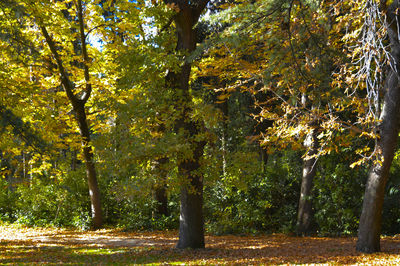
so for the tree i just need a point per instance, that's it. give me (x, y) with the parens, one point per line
(78, 104)
(285, 57)
(388, 129)
(191, 227)
(62, 27)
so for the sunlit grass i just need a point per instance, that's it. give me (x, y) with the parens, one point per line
(100, 251)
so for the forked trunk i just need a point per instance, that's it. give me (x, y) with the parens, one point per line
(78, 104)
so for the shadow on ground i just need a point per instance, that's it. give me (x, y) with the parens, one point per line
(114, 247)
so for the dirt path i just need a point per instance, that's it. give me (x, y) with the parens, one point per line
(100, 238)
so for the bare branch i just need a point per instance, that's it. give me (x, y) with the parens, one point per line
(166, 25)
(94, 28)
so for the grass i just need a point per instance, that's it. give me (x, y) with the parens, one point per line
(20, 245)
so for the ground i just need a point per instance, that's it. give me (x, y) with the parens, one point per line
(20, 245)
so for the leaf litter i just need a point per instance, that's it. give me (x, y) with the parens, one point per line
(23, 245)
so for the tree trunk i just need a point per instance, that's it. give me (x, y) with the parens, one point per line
(305, 211)
(162, 201)
(191, 223)
(224, 107)
(74, 160)
(369, 229)
(94, 191)
(264, 158)
(160, 189)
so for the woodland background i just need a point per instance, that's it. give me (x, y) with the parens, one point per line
(259, 116)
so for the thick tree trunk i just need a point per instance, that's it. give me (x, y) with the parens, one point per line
(305, 211)
(191, 223)
(369, 229)
(94, 191)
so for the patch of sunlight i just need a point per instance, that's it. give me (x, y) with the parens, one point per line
(99, 251)
(205, 261)
(186, 262)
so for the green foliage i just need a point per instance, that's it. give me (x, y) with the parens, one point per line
(338, 194)
(128, 202)
(8, 201)
(262, 202)
(61, 203)
(138, 213)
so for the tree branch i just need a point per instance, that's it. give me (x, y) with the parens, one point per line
(199, 7)
(85, 56)
(94, 28)
(167, 25)
(65, 81)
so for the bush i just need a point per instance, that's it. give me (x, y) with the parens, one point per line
(136, 211)
(8, 199)
(63, 202)
(264, 202)
(338, 193)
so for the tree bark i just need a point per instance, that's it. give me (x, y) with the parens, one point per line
(94, 191)
(305, 211)
(369, 229)
(224, 107)
(191, 222)
(370, 222)
(264, 158)
(162, 200)
(160, 189)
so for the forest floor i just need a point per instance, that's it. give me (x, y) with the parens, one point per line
(20, 245)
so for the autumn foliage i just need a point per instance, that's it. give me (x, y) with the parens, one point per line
(266, 118)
